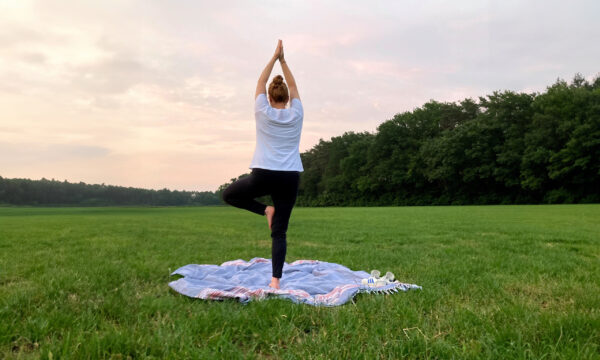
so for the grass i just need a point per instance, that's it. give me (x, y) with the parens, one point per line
(499, 282)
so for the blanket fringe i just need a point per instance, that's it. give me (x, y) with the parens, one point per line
(389, 289)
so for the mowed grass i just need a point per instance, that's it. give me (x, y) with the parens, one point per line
(498, 282)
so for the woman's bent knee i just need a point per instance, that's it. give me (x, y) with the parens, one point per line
(227, 196)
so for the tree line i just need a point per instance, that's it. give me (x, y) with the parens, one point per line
(505, 148)
(53, 192)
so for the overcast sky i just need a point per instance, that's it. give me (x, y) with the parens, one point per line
(160, 94)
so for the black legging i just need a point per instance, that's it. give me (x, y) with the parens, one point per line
(283, 188)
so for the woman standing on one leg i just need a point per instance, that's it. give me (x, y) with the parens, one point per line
(276, 164)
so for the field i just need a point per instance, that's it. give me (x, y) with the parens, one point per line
(498, 282)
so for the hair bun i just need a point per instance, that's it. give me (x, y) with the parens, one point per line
(278, 79)
(278, 90)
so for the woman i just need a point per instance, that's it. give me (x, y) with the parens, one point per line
(276, 164)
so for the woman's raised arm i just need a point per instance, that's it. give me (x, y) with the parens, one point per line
(289, 78)
(261, 86)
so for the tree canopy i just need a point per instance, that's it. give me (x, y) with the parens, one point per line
(54, 192)
(503, 148)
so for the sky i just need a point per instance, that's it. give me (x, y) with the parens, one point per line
(160, 94)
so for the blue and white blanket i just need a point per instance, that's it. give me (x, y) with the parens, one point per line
(310, 282)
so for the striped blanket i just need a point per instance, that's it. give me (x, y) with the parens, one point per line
(310, 282)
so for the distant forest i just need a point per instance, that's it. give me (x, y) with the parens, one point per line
(504, 148)
(53, 192)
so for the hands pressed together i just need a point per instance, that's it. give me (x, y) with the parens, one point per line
(279, 52)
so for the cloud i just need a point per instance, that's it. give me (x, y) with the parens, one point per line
(113, 75)
(25, 154)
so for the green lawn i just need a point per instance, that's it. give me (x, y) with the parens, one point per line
(498, 282)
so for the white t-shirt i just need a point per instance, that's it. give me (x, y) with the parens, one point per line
(277, 135)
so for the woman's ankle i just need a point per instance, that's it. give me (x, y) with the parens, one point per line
(274, 282)
(269, 213)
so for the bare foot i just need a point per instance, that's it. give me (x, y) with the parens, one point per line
(274, 283)
(269, 212)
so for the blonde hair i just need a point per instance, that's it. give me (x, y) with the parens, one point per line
(278, 90)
